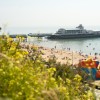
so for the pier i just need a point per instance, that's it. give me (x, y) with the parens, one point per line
(30, 34)
(39, 34)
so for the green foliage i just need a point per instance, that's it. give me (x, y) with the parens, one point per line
(25, 76)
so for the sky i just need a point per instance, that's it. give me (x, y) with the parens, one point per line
(50, 13)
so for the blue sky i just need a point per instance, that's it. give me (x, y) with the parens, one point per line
(49, 12)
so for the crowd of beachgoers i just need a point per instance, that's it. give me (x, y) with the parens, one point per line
(62, 56)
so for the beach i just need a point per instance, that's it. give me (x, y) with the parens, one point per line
(65, 56)
(62, 56)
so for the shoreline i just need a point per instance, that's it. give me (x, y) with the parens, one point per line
(62, 56)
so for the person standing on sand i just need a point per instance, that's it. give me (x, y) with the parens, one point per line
(55, 46)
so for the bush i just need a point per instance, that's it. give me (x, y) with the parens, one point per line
(25, 76)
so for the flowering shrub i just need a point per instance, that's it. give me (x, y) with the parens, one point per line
(25, 76)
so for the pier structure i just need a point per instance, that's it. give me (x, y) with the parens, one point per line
(30, 34)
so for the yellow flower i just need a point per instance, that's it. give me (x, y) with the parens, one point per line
(90, 94)
(63, 89)
(11, 82)
(68, 81)
(12, 48)
(9, 39)
(19, 55)
(78, 77)
(27, 82)
(19, 93)
(1, 70)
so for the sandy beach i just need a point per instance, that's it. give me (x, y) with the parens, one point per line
(62, 56)
(65, 56)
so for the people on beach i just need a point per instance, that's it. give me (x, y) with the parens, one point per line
(62, 56)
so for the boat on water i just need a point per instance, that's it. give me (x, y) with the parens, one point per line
(78, 32)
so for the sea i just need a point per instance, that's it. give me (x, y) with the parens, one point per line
(87, 46)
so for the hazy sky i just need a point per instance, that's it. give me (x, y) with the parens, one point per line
(49, 12)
